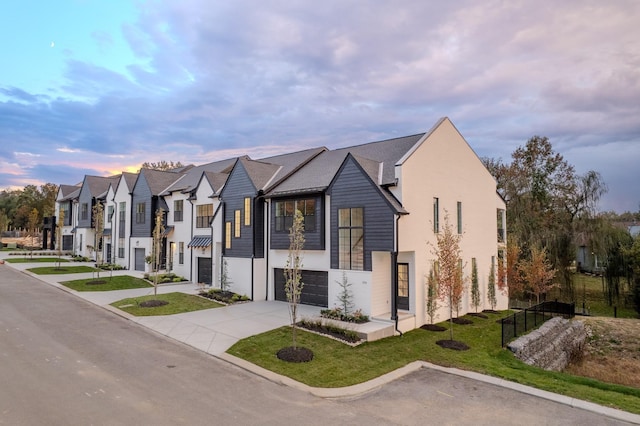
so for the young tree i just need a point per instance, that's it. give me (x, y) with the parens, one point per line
(158, 231)
(225, 281)
(98, 229)
(60, 224)
(509, 278)
(475, 289)
(292, 271)
(432, 293)
(491, 288)
(538, 273)
(32, 227)
(345, 295)
(449, 276)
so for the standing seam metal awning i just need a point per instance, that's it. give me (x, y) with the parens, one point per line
(200, 242)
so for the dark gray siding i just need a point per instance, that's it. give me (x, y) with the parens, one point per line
(141, 194)
(238, 187)
(258, 226)
(352, 188)
(312, 240)
(85, 197)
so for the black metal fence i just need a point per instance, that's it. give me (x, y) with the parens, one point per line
(519, 323)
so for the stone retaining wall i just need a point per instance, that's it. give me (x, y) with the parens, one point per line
(552, 345)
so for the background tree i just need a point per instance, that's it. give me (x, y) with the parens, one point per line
(432, 293)
(292, 271)
(4, 223)
(449, 276)
(475, 289)
(509, 277)
(547, 203)
(633, 255)
(162, 165)
(538, 273)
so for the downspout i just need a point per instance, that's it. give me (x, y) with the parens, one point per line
(267, 233)
(394, 275)
(191, 239)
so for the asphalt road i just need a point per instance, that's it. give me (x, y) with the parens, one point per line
(64, 361)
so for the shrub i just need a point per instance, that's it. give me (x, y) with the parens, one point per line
(338, 314)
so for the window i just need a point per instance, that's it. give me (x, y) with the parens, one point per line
(436, 215)
(351, 238)
(286, 209)
(204, 214)
(140, 209)
(501, 222)
(84, 211)
(236, 230)
(227, 235)
(109, 213)
(121, 225)
(177, 210)
(403, 280)
(121, 248)
(459, 217)
(122, 211)
(66, 210)
(247, 211)
(180, 253)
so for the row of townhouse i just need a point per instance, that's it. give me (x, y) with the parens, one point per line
(372, 213)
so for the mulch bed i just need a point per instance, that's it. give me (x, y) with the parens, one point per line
(297, 354)
(490, 311)
(324, 330)
(452, 344)
(433, 327)
(153, 303)
(462, 321)
(478, 315)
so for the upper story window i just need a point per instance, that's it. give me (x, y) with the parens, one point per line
(140, 212)
(84, 211)
(204, 215)
(351, 238)
(236, 228)
(65, 209)
(459, 210)
(285, 210)
(436, 215)
(177, 210)
(109, 213)
(122, 211)
(227, 235)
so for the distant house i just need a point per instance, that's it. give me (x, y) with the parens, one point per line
(372, 214)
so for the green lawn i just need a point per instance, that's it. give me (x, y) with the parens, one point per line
(336, 364)
(34, 260)
(178, 303)
(54, 270)
(590, 291)
(106, 283)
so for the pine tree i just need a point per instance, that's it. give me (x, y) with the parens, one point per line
(432, 294)
(491, 289)
(475, 290)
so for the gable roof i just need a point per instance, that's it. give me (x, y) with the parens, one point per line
(191, 175)
(99, 185)
(69, 192)
(318, 173)
(129, 180)
(158, 180)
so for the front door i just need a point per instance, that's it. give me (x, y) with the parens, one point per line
(205, 270)
(403, 286)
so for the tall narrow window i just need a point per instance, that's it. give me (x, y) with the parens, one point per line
(181, 253)
(227, 235)
(236, 230)
(351, 238)
(140, 210)
(436, 215)
(109, 213)
(178, 206)
(122, 207)
(459, 217)
(247, 211)
(84, 211)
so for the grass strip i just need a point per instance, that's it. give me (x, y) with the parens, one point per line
(54, 270)
(337, 365)
(107, 283)
(177, 303)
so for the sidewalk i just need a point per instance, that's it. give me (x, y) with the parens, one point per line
(215, 330)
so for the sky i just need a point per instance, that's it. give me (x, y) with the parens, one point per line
(100, 86)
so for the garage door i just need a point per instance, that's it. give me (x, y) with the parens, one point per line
(314, 292)
(205, 269)
(139, 259)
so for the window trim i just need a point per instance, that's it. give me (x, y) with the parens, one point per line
(355, 235)
(459, 212)
(227, 235)
(247, 211)
(141, 209)
(204, 220)
(236, 228)
(436, 215)
(307, 206)
(178, 210)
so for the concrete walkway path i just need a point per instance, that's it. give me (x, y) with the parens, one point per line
(216, 330)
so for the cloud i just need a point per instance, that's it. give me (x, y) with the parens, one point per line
(216, 79)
